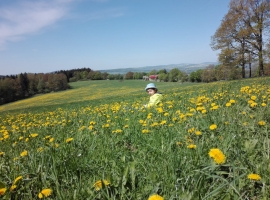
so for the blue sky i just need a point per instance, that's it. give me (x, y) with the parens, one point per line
(39, 36)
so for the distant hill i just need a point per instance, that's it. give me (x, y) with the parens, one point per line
(185, 67)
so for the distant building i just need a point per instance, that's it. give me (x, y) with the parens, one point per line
(153, 77)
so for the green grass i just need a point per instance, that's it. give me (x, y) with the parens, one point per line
(89, 92)
(139, 151)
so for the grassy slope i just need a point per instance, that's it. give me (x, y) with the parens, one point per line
(89, 92)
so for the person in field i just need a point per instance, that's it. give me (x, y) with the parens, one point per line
(155, 97)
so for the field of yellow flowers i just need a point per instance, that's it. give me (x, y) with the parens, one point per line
(205, 141)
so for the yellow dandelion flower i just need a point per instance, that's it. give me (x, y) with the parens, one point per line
(263, 104)
(191, 146)
(17, 179)
(191, 130)
(33, 135)
(2, 153)
(2, 191)
(13, 187)
(232, 101)
(98, 185)
(254, 177)
(253, 105)
(24, 153)
(106, 126)
(69, 140)
(163, 122)
(166, 114)
(253, 98)
(261, 123)
(217, 155)
(155, 197)
(145, 131)
(45, 193)
(198, 132)
(92, 123)
(51, 140)
(228, 104)
(213, 127)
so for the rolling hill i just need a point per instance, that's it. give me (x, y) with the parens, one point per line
(185, 67)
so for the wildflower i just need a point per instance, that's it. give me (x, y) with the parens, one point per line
(253, 98)
(2, 191)
(155, 197)
(192, 110)
(160, 110)
(213, 127)
(24, 153)
(45, 193)
(163, 122)
(13, 187)
(145, 131)
(217, 155)
(261, 123)
(191, 146)
(232, 101)
(191, 130)
(69, 140)
(51, 140)
(33, 135)
(263, 104)
(214, 108)
(198, 132)
(98, 185)
(92, 123)
(2, 153)
(141, 121)
(17, 179)
(228, 104)
(254, 177)
(106, 126)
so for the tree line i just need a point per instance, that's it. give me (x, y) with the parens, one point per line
(24, 85)
(243, 35)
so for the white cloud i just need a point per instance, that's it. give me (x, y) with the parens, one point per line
(27, 17)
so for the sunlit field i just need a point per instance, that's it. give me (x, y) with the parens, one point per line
(97, 141)
(87, 91)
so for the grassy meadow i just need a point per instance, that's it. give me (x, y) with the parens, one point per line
(96, 141)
